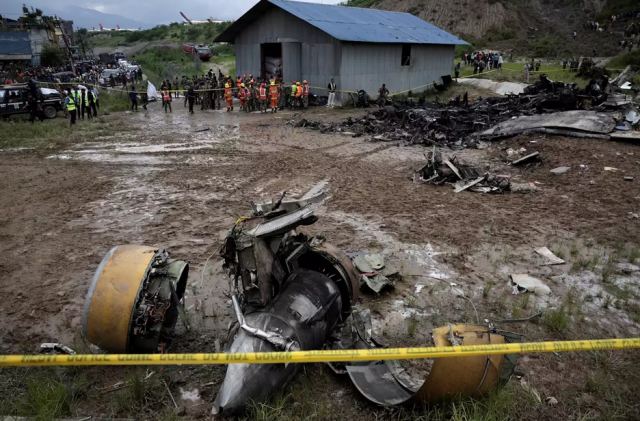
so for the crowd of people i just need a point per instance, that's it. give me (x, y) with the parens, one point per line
(483, 60)
(211, 91)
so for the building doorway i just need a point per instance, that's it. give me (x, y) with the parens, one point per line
(271, 59)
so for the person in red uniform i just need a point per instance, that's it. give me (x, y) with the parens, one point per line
(242, 96)
(262, 97)
(274, 96)
(228, 96)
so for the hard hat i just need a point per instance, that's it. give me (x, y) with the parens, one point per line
(273, 83)
(297, 83)
(242, 84)
(305, 82)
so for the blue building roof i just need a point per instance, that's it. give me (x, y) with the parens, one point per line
(15, 43)
(353, 24)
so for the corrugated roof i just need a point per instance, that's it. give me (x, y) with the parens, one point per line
(354, 24)
(15, 43)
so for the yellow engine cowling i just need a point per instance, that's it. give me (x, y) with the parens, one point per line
(132, 303)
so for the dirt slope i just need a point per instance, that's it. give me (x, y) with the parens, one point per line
(524, 26)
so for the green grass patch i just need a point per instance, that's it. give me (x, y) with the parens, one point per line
(625, 59)
(201, 33)
(514, 72)
(53, 133)
(167, 63)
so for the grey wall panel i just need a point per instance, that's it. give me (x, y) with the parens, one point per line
(368, 66)
(318, 56)
(291, 61)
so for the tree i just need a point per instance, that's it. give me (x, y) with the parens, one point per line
(51, 55)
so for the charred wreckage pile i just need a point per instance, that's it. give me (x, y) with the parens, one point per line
(460, 124)
(288, 292)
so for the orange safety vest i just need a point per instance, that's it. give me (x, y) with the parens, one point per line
(165, 96)
(242, 94)
(263, 93)
(228, 93)
(273, 91)
(299, 91)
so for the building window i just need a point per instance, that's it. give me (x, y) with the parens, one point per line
(406, 55)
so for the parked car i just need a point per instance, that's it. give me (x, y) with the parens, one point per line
(14, 100)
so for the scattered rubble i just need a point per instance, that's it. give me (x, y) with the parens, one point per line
(461, 124)
(560, 170)
(550, 258)
(440, 170)
(526, 283)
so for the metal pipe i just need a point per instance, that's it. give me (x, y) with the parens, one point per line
(273, 338)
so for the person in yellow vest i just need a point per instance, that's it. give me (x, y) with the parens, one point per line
(294, 88)
(305, 94)
(75, 96)
(70, 106)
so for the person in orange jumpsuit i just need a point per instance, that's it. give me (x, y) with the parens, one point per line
(298, 95)
(242, 96)
(274, 96)
(228, 96)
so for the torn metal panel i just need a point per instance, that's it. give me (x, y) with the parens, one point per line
(525, 283)
(377, 282)
(384, 384)
(535, 156)
(550, 258)
(569, 121)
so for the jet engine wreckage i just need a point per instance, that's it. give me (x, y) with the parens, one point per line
(289, 292)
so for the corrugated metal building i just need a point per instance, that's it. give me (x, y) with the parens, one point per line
(359, 48)
(15, 46)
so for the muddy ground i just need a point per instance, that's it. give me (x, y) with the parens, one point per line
(180, 182)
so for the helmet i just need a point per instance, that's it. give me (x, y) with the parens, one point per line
(226, 85)
(298, 83)
(242, 85)
(273, 83)
(305, 82)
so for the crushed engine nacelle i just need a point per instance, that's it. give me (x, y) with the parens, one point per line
(132, 303)
(289, 293)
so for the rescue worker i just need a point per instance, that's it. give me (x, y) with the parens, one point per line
(85, 105)
(331, 87)
(262, 95)
(305, 94)
(274, 95)
(228, 96)
(238, 86)
(298, 95)
(191, 97)
(294, 88)
(383, 94)
(166, 100)
(70, 106)
(242, 96)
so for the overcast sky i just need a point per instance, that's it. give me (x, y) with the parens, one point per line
(148, 11)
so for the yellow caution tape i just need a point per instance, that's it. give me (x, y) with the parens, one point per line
(317, 356)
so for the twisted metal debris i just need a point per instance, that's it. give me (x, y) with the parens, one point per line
(454, 124)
